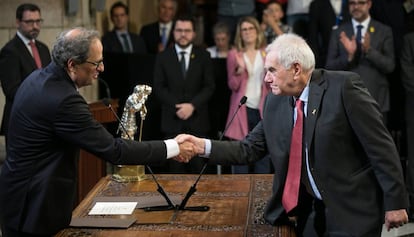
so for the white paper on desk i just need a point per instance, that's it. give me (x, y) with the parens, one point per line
(113, 208)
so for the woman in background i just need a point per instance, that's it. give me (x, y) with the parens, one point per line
(245, 72)
(221, 36)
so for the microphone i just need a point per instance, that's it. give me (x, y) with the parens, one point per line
(193, 188)
(107, 90)
(170, 205)
(241, 103)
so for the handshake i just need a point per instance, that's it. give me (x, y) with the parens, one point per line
(190, 146)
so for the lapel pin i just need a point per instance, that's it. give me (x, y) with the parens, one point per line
(313, 111)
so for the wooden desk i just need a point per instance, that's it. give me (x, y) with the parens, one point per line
(236, 207)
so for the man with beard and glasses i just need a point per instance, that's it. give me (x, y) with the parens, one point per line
(21, 55)
(368, 52)
(184, 84)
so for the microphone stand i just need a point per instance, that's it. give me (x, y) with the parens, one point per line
(170, 205)
(193, 188)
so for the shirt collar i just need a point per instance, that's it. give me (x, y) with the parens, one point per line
(23, 38)
(365, 23)
(187, 50)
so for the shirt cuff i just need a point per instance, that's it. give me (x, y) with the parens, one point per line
(173, 149)
(207, 148)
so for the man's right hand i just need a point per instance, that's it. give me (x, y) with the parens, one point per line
(198, 143)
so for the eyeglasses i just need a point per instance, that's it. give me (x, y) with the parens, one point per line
(357, 3)
(187, 31)
(97, 64)
(32, 22)
(247, 29)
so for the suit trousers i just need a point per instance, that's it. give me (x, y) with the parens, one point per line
(317, 225)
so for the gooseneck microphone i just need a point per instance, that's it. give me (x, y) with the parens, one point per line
(193, 188)
(241, 103)
(170, 205)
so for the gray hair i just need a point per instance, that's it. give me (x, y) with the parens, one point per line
(73, 44)
(291, 48)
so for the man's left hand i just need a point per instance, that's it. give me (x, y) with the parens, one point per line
(395, 218)
(184, 110)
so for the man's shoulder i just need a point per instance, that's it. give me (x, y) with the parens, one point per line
(197, 50)
(13, 43)
(376, 25)
(108, 35)
(149, 26)
(135, 36)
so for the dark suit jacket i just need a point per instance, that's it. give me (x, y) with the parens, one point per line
(373, 66)
(152, 38)
(322, 19)
(16, 63)
(51, 121)
(172, 88)
(112, 44)
(352, 156)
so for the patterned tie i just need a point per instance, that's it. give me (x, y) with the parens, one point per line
(35, 53)
(182, 63)
(358, 40)
(164, 36)
(127, 48)
(291, 191)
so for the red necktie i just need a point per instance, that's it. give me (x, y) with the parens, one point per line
(35, 54)
(291, 190)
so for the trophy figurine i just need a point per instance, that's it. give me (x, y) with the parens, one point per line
(135, 103)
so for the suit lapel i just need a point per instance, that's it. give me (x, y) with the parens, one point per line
(349, 30)
(316, 92)
(26, 53)
(192, 59)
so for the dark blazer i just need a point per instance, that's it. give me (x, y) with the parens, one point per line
(322, 19)
(352, 156)
(152, 38)
(51, 121)
(373, 66)
(172, 88)
(16, 63)
(112, 44)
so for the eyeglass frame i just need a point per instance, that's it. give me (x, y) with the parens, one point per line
(96, 64)
(32, 22)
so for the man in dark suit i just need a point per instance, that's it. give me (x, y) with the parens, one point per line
(349, 178)
(159, 35)
(184, 89)
(51, 121)
(323, 17)
(371, 56)
(120, 39)
(17, 58)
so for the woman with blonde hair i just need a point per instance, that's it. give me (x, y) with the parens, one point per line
(245, 72)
